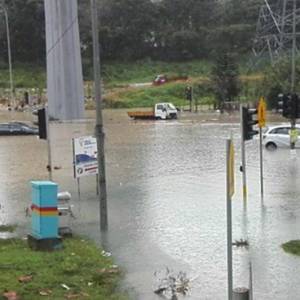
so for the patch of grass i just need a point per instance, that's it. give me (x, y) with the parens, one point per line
(118, 73)
(78, 266)
(292, 247)
(8, 228)
(148, 96)
(24, 76)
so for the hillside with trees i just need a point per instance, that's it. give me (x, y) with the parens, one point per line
(142, 38)
(137, 29)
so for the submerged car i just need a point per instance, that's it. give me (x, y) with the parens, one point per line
(279, 137)
(17, 128)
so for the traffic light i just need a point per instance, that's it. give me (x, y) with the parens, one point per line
(42, 123)
(188, 93)
(248, 122)
(282, 104)
(295, 109)
(289, 106)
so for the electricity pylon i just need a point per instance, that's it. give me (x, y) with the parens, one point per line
(278, 29)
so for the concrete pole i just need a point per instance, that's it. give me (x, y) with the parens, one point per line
(64, 68)
(99, 120)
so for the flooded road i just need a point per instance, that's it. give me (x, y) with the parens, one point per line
(167, 201)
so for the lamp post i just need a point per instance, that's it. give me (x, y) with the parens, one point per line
(2, 6)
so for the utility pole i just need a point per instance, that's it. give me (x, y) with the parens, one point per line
(12, 102)
(293, 74)
(99, 120)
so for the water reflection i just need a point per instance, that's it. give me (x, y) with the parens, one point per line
(166, 190)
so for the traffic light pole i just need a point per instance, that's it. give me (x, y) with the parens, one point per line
(261, 165)
(49, 166)
(191, 99)
(293, 75)
(243, 155)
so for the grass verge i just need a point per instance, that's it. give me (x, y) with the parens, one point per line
(79, 271)
(292, 247)
(8, 228)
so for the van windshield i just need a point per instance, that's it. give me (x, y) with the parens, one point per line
(171, 106)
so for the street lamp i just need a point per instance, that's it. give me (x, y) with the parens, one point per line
(3, 8)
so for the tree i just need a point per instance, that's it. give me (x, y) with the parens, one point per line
(225, 80)
(127, 28)
(27, 28)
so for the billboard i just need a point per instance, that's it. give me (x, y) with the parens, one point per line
(85, 156)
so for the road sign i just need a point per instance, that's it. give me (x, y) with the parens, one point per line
(261, 114)
(85, 156)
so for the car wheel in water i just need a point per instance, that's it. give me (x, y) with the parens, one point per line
(271, 146)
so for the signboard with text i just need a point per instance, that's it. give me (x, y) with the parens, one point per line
(85, 156)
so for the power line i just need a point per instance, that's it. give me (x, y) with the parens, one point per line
(274, 32)
(62, 35)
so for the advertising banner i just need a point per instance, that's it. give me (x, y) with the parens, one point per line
(85, 156)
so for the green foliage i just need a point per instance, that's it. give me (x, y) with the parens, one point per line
(277, 79)
(147, 97)
(292, 247)
(24, 76)
(225, 79)
(116, 73)
(27, 31)
(76, 266)
(8, 228)
(137, 29)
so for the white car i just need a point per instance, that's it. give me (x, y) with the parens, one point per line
(279, 137)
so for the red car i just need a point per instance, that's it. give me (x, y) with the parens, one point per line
(160, 79)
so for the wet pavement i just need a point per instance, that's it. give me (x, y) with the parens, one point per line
(166, 201)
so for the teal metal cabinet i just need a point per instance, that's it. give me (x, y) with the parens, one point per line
(44, 223)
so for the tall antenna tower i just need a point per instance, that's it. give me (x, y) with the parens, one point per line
(278, 29)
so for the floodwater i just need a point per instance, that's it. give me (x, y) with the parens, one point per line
(167, 201)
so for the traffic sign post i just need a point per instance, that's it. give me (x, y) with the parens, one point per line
(230, 192)
(261, 112)
(261, 117)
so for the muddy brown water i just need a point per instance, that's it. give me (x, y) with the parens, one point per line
(166, 201)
